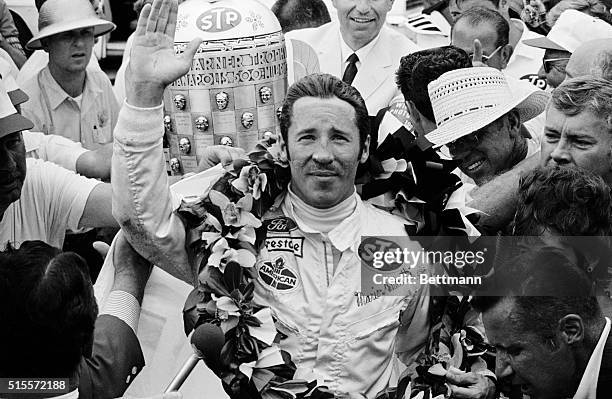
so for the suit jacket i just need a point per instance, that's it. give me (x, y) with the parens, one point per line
(375, 78)
(115, 361)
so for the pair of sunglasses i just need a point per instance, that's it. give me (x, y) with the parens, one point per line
(549, 63)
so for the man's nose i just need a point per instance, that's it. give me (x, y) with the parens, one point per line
(323, 153)
(363, 6)
(542, 73)
(561, 154)
(503, 369)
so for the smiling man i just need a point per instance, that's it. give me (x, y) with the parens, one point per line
(65, 98)
(360, 49)
(325, 126)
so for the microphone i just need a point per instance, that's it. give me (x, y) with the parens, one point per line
(206, 341)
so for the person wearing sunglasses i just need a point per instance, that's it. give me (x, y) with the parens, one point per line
(488, 27)
(572, 29)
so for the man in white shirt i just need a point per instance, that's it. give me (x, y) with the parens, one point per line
(360, 49)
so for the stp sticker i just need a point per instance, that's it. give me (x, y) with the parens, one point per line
(276, 275)
(536, 80)
(218, 19)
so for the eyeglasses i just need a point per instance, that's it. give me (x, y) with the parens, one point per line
(486, 58)
(550, 62)
(464, 143)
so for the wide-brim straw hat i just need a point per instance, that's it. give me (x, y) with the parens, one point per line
(58, 16)
(468, 99)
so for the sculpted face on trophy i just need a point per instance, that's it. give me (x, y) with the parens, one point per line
(175, 165)
(265, 93)
(247, 120)
(279, 111)
(180, 102)
(168, 123)
(226, 141)
(184, 145)
(201, 123)
(222, 99)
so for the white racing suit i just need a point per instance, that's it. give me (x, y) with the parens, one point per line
(352, 343)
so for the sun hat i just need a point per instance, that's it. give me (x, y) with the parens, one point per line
(10, 120)
(468, 99)
(57, 16)
(571, 30)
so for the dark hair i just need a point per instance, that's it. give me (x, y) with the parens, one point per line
(420, 68)
(48, 311)
(481, 15)
(545, 285)
(323, 85)
(300, 14)
(569, 201)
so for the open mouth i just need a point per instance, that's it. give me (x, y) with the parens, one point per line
(78, 55)
(361, 20)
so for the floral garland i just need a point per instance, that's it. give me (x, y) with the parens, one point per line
(224, 235)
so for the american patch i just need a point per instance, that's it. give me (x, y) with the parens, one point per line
(286, 244)
(280, 225)
(277, 275)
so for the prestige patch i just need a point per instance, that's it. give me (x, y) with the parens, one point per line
(286, 244)
(277, 275)
(280, 225)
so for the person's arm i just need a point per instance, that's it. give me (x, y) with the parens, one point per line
(97, 163)
(497, 198)
(142, 201)
(9, 36)
(17, 56)
(116, 357)
(98, 208)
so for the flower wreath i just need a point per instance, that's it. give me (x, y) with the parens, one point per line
(223, 238)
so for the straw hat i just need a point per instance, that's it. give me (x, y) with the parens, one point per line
(10, 120)
(571, 30)
(468, 99)
(57, 16)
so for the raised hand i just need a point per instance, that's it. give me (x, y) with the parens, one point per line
(153, 64)
(477, 55)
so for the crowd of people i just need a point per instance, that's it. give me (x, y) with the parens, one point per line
(505, 131)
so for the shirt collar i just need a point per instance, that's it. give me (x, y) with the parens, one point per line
(345, 235)
(56, 94)
(362, 53)
(588, 384)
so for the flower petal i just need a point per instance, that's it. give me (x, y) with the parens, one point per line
(245, 258)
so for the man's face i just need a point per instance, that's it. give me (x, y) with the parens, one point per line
(582, 141)
(553, 66)
(464, 35)
(544, 370)
(12, 168)
(71, 51)
(458, 7)
(324, 150)
(361, 20)
(488, 151)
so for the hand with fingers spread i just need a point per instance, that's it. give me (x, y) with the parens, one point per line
(153, 62)
(477, 55)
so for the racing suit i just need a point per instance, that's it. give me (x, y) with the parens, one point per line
(348, 340)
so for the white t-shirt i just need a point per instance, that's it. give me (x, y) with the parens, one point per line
(53, 148)
(52, 201)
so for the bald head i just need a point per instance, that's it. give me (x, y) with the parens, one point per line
(591, 58)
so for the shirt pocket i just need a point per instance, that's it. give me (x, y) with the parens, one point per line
(102, 134)
(376, 323)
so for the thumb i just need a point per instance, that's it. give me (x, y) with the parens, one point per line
(191, 50)
(477, 57)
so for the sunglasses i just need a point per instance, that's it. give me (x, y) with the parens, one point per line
(486, 58)
(462, 144)
(550, 63)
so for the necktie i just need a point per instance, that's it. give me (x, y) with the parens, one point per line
(351, 69)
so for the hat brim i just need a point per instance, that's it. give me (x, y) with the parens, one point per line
(100, 26)
(14, 123)
(18, 97)
(528, 104)
(545, 43)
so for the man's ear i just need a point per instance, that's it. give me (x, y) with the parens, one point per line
(506, 53)
(571, 329)
(514, 122)
(366, 150)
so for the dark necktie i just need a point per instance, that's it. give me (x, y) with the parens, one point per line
(351, 69)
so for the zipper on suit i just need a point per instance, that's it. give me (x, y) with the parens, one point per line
(325, 243)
